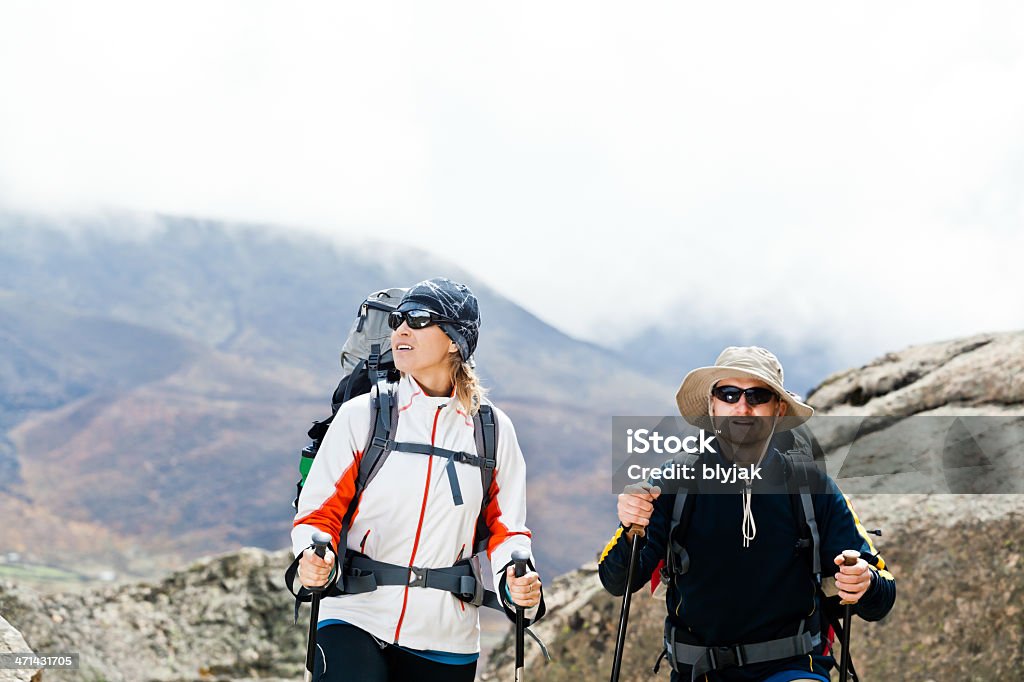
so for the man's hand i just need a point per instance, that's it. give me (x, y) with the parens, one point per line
(852, 581)
(314, 571)
(636, 504)
(525, 591)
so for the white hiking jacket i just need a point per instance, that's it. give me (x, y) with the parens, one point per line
(407, 516)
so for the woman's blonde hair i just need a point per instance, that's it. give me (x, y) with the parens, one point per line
(468, 389)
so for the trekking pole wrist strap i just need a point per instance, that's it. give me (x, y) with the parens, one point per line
(508, 606)
(303, 593)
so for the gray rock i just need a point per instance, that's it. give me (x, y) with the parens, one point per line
(983, 370)
(11, 642)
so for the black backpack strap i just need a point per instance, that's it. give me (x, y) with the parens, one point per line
(677, 560)
(373, 367)
(464, 579)
(485, 431)
(683, 650)
(383, 421)
(383, 424)
(347, 395)
(807, 503)
(803, 479)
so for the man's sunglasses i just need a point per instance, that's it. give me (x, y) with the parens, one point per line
(755, 396)
(417, 319)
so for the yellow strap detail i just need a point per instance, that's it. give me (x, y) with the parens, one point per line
(611, 543)
(864, 533)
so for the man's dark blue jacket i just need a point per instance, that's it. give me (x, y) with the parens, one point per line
(735, 595)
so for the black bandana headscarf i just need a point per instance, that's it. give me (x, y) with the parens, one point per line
(454, 301)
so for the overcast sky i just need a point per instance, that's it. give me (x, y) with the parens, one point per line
(850, 173)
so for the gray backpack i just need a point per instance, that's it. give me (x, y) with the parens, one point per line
(361, 367)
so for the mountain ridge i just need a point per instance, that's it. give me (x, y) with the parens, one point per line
(231, 334)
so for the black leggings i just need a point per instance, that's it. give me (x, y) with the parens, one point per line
(353, 655)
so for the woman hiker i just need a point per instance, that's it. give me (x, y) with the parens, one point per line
(419, 512)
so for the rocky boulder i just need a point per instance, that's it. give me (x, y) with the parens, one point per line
(985, 371)
(223, 618)
(11, 642)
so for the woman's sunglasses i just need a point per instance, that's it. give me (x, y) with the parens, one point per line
(417, 319)
(755, 396)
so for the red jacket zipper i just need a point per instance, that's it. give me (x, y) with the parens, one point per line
(419, 525)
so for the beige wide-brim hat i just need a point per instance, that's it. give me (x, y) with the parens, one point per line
(748, 361)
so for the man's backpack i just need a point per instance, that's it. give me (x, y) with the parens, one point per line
(803, 462)
(804, 470)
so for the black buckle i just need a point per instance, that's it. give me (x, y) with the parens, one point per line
(722, 657)
(418, 576)
(381, 443)
(466, 458)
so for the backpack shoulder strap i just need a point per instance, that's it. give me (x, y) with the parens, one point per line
(383, 424)
(383, 421)
(677, 560)
(804, 479)
(485, 431)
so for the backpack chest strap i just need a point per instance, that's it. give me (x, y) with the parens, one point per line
(452, 456)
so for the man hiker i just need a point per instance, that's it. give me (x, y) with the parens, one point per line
(745, 555)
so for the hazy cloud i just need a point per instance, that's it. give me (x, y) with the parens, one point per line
(844, 173)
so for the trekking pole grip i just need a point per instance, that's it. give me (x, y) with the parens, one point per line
(321, 541)
(850, 558)
(635, 530)
(519, 559)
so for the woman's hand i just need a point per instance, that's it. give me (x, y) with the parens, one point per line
(314, 571)
(525, 591)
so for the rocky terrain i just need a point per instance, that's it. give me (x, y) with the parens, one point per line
(224, 618)
(957, 559)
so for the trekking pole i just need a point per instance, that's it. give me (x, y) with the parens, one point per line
(519, 559)
(321, 541)
(634, 533)
(850, 557)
